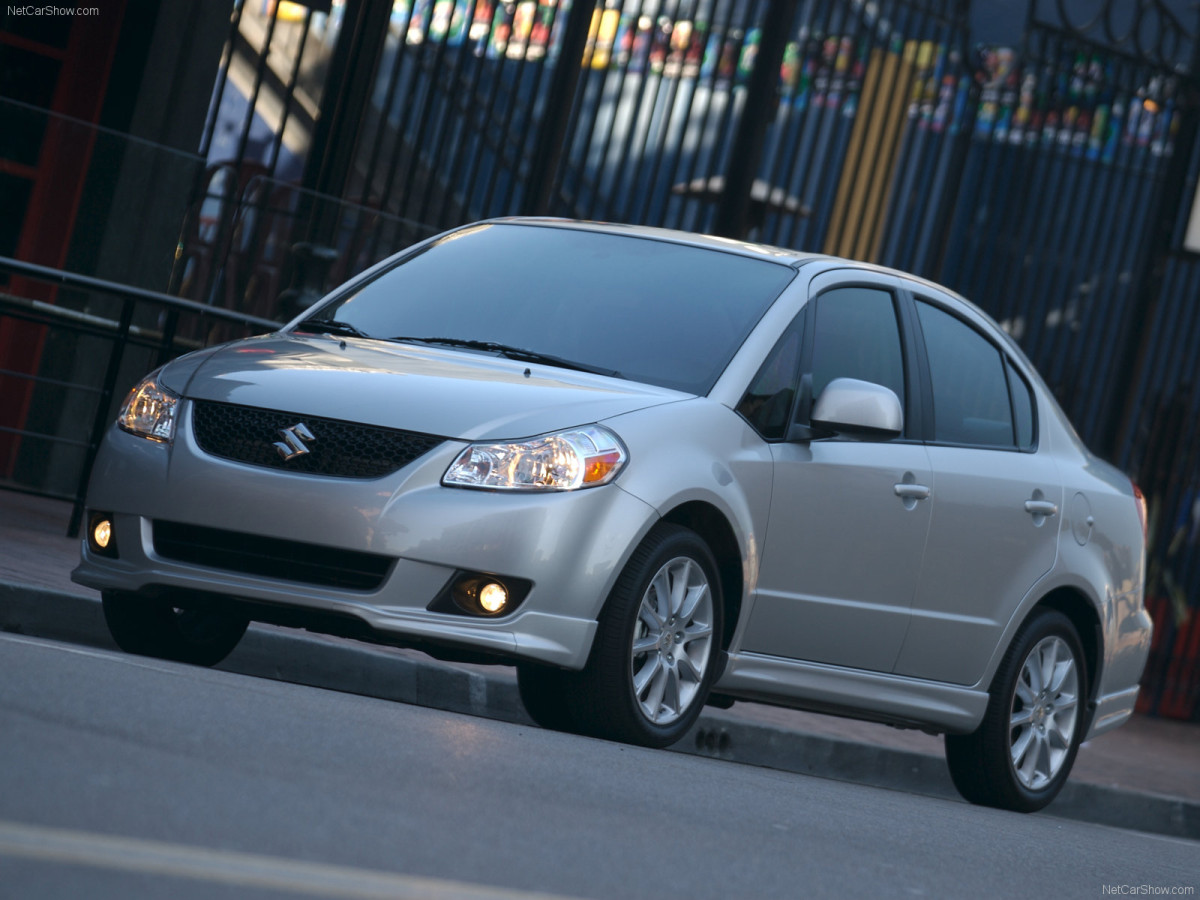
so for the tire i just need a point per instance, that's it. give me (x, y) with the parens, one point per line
(1021, 754)
(546, 694)
(199, 636)
(657, 644)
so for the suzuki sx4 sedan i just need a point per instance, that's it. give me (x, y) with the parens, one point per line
(651, 470)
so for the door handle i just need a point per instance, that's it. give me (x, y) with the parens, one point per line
(1041, 508)
(911, 491)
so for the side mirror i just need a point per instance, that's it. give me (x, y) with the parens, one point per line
(858, 409)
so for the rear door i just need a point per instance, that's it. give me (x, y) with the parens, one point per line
(994, 528)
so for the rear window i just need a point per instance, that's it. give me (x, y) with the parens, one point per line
(971, 402)
(662, 313)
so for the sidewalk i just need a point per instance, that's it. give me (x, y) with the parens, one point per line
(1145, 775)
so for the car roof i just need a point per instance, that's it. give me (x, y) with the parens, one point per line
(794, 258)
(712, 242)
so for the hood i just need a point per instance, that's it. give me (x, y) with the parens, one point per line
(450, 393)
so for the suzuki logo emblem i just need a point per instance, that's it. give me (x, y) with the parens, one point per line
(294, 441)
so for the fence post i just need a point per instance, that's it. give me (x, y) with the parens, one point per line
(762, 96)
(347, 94)
(552, 132)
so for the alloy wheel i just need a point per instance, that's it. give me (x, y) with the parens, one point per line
(672, 640)
(1045, 707)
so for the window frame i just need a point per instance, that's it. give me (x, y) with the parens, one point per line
(1008, 364)
(799, 326)
(1011, 371)
(912, 403)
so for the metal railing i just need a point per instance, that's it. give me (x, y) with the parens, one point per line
(146, 320)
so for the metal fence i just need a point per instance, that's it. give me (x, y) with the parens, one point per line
(639, 111)
(125, 350)
(660, 144)
(250, 242)
(1159, 440)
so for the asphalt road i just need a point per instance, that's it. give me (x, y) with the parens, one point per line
(122, 776)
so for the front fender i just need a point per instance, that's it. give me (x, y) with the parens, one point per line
(700, 451)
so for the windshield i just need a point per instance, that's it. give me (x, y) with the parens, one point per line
(652, 311)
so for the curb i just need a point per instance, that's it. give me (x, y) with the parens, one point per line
(284, 654)
(319, 661)
(919, 773)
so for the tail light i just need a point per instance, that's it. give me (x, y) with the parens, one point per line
(1143, 511)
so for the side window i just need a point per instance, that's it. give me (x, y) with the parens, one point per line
(970, 384)
(768, 401)
(1022, 401)
(857, 336)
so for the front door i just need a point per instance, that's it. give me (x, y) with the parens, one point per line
(849, 519)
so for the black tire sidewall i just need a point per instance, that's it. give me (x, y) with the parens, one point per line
(995, 781)
(546, 694)
(607, 681)
(151, 627)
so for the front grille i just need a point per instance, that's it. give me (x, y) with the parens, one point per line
(252, 554)
(247, 434)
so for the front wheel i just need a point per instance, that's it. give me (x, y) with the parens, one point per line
(199, 636)
(546, 694)
(657, 644)
(1022, 753)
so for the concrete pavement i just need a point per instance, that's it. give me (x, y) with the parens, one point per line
(1144, 776)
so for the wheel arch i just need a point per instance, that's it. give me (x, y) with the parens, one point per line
(715, 530)
(1076, 606)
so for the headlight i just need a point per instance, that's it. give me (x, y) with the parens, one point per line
(582, 457)
(149, 411)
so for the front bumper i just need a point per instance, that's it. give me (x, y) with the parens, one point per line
(569, 545)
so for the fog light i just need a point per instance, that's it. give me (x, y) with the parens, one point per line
(484, 595)
(102, 533)
(101, 538)
(493, 597)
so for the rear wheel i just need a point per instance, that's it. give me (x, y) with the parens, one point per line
(1022, 753)
(200, 636)
(656, 646)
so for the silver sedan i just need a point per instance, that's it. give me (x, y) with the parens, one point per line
(652, 470)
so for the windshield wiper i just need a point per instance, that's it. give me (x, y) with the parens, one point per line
(511, 352)
(330, 326)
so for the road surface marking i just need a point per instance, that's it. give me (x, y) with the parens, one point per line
(230, 867)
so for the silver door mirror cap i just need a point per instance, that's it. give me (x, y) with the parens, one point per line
(861, 409)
